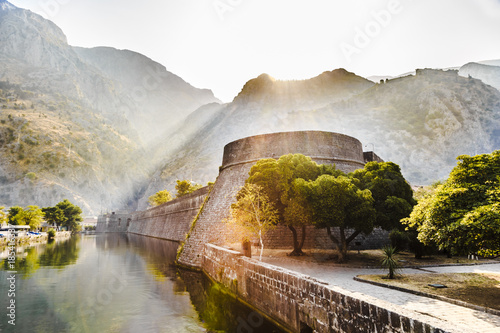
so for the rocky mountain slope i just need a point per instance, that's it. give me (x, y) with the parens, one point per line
(264, 105)
(78, 123)
(489, 74)
(422, 122)
(90, 125)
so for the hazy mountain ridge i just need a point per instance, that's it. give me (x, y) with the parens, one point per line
(92, 125)
(489, 74)
(72, 128)
(148, 89)
(422, 122)
(312, 93)
(264, 105)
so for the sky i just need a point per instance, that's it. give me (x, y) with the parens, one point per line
(221, 44)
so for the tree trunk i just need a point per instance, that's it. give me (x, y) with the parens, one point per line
(343, 246)
(334, 240)
(303, 238)
(261, 245)
(297, 249)
(247, 248)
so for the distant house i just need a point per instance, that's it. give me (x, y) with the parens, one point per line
(89, 221)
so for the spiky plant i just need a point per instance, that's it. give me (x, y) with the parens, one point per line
(389, 262)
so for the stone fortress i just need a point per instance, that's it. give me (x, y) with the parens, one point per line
(294, 301)
(198, 218)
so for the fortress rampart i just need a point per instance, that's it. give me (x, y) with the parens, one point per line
(173, 220)
(323, 147)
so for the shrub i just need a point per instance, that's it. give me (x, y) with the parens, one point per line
(31, 175)
(51, 233)
(399, 239)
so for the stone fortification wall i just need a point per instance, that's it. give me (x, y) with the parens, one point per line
(298, 302)
(281, 238)
(114, 222)
(171, 220)
(323, 147)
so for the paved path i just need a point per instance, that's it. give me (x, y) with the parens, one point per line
(453, 317)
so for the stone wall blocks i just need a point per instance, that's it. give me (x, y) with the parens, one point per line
(405, 324)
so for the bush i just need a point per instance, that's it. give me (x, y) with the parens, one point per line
(51, 233)
(418, 247)
(399, 239)
(31, 175)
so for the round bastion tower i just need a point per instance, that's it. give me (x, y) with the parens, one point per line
(239, 156)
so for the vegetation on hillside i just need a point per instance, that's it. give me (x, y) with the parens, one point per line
(49, 141)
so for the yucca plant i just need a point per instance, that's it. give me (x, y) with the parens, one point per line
(389, 262)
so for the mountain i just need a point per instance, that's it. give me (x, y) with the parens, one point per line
(422, 122)
(264, 105)
(489, 74)
(156, 99)
(495, 62)
(315, 92)
(78, 123)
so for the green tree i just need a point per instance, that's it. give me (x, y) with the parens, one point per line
(12, 213)
(31, 215)
(254, 213)
(338, 202)
(276, 177)
(3, 216)
(72, 214)
(159, 198)
(184, 187)
(54, 215)
(463, 213)
(393, 196)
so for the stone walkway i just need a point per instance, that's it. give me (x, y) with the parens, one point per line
(450, 317)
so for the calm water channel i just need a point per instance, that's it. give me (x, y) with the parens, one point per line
(116, 283)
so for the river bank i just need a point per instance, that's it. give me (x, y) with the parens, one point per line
(33, 239)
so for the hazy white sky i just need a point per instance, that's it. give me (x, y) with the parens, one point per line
(221, 44)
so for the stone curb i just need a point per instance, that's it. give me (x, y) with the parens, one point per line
(438, 297)
(491, 262)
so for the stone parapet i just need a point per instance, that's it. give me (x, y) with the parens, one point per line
(301, 303)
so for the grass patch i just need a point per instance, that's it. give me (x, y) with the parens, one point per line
(365, 258)
(475, 288)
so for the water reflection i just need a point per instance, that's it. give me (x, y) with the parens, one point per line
(118, 283)
(218, 310)
(56, 254)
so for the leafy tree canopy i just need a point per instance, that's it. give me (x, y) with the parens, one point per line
(72, 214)
(254, 213)
(393, 196)
(12, 213)
(159, 198)
(276, 177)
(31, 215)
(184, 187)
(463, 213)
(338, 202)
(54, 215)
(3, 216)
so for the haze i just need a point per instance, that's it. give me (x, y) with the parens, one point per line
(222, 44)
